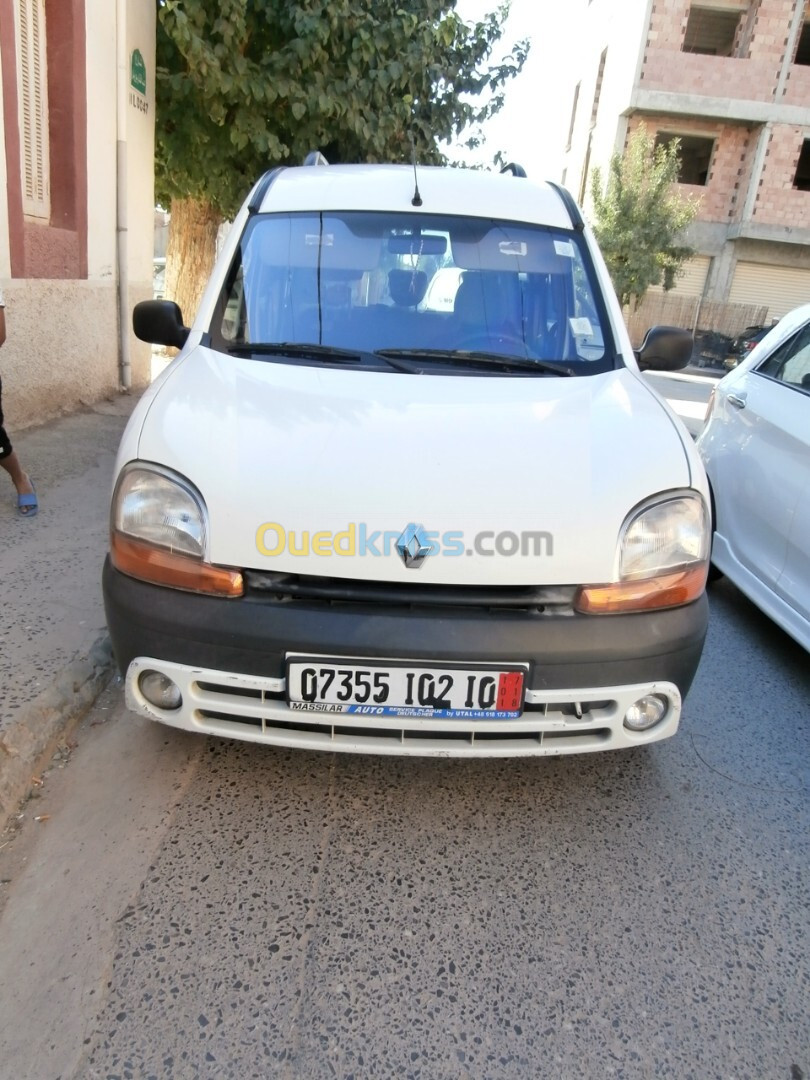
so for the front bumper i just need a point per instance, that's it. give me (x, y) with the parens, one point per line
(228, 657)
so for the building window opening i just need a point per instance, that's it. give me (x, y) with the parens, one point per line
(801, 180)
(803, 48)
(573, 117)
(583, 181)
(711, 31)
(598, 88)
(695, 153)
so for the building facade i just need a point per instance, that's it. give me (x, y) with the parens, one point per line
(77, 164)
(731, 80)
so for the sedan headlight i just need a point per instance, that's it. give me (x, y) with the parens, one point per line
(662, 559)
(158, 534)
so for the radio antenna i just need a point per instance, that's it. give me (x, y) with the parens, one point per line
(417, 198)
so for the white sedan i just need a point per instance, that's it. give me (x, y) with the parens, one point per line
(756, 449)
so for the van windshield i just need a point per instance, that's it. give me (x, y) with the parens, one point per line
(408, 283)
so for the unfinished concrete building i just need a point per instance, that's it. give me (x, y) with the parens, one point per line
(731, 80)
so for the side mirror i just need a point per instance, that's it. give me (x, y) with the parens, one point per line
(160, 322)
(665, 348)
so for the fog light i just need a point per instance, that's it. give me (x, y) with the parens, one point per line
(646, 712)
(159, 690)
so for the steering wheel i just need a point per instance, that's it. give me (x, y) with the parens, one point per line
(483, 342)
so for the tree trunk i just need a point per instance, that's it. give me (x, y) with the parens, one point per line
(190, 253)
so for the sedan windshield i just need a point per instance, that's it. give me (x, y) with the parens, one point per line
(426, 285)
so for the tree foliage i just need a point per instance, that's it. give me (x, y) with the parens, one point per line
(640, 216)
(246, 84)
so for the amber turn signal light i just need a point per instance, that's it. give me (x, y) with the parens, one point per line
(161, 567)
(647, 594)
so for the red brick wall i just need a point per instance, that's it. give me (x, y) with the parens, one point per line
(797, 88)
(711, 76)
(723, 196)
(668, 24)
(752, 78)
(778, 202)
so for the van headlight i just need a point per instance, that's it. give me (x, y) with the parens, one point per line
(158, 533)
(665, 536)
(159, 509)
(662, 559)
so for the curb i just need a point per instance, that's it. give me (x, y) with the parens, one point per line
(40, 723)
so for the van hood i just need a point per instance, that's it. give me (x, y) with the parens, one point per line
(320, 471)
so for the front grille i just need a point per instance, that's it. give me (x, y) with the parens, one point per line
(570, 710)
(286, 588)
(325, 735)
(262, 713)
(238, 691)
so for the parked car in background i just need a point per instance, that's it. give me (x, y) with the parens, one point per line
(741, 346)
(711, 349)
(756, 449)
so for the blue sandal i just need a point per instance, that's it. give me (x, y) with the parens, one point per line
(27, 505)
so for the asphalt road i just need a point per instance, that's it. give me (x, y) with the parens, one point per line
(192, 908)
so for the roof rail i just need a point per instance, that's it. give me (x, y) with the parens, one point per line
(568, 202)
(315, 157)
(261, 189)
(514, 169)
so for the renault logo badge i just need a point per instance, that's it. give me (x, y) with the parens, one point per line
(413, 546)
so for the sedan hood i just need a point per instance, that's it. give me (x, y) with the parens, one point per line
(516, 480)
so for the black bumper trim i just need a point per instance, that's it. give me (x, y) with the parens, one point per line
(252, 636)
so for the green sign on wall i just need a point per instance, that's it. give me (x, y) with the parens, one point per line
(138, 72)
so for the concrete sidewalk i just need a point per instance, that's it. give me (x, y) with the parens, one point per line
(54, 652)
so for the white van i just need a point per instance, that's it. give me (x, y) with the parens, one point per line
(348, 520)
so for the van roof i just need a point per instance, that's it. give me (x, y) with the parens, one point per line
(444, 190)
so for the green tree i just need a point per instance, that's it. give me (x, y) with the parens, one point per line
(243, 85)
(640, 216)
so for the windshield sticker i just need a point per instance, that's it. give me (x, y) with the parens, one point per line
(564, 247)
(581, 327)
(513, 247)
(313, 240)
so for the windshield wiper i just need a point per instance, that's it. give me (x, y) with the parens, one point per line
(489, 359)
(312, 351)
(299, 348)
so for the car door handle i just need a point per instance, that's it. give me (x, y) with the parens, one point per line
(737, 400)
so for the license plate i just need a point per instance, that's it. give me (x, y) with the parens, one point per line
(316, 684)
